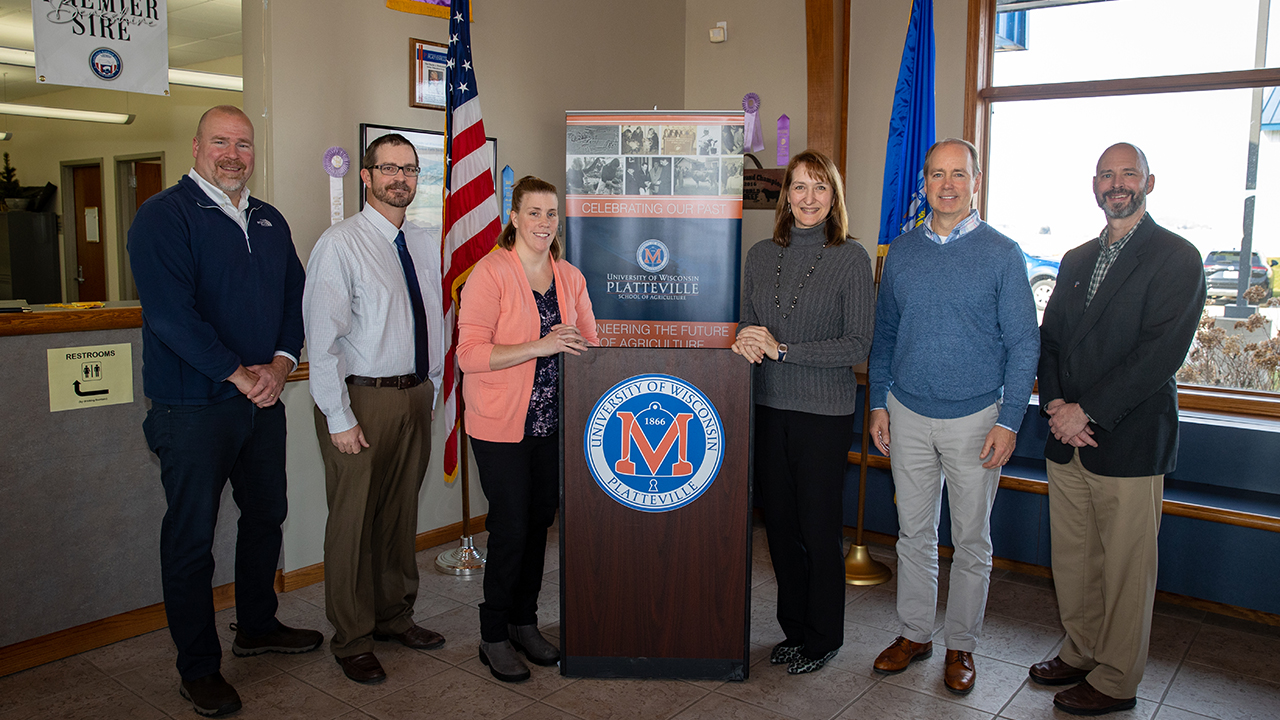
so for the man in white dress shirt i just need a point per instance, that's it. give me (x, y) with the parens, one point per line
(373, 322)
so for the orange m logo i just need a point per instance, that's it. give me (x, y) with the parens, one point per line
(653, 457)
(652, 255)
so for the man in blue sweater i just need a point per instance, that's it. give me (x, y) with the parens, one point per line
(221, 291)
(952, 365)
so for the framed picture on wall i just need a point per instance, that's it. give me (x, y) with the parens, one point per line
(427, 208)
(426, 73)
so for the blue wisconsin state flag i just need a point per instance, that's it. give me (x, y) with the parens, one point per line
(911, 131)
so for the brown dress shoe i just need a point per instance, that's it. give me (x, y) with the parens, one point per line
(1083, 699)
(960, 672)
(363, 668)
(900, 654)
(1056, 672)
(418, 638)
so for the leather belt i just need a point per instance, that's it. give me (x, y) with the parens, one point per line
(401, 382)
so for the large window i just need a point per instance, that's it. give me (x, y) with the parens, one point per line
(1194, 84)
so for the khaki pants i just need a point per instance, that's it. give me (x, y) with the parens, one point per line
(1104, 532)
(370, 572)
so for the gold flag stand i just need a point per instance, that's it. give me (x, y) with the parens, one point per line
(859, 567)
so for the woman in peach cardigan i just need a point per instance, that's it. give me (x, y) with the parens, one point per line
(521, 306)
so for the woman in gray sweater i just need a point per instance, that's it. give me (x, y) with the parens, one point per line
(807, 309)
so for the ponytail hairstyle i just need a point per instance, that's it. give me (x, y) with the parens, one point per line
(526, 185)
(820, 168)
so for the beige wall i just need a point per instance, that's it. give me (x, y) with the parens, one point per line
(764, 54)
(877, 31)
(535, 59)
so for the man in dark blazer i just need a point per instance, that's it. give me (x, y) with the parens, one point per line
(1115, 332)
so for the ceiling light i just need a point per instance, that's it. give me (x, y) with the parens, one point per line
(214, 81)
(65, 114)
(177, 76)
(6, 136)
(14, 56)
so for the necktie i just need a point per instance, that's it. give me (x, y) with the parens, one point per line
(421, 360)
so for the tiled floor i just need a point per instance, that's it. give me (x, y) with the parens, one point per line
(1201, 666)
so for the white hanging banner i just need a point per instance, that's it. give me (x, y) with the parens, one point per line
(109, 44)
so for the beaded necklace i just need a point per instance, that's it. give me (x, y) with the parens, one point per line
(777, 302)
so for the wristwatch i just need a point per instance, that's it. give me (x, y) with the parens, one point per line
(782, 351)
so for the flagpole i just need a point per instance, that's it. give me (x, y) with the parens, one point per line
(461, 247)
(466, 559)
(859, 567)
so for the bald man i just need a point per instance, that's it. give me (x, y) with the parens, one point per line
(221, 291)
(1115, 332)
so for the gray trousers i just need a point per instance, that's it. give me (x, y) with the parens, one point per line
(925, 453)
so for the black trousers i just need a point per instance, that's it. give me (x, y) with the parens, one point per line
(801, 460)
(522, 482)
(200, 448)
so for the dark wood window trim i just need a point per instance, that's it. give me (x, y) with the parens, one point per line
(980, 93)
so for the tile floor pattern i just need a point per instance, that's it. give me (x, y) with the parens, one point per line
(1202, 666)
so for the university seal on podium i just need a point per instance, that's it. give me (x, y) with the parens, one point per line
(654, 442)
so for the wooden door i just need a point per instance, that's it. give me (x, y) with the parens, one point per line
(90, 262)
(149, 181)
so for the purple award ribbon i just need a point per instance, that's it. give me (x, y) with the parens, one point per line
(336, 164)
(754, 133)
(784, 140)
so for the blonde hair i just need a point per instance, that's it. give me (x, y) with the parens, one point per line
(524, 186)
(820, 167)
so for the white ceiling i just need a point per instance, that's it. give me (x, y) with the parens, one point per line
(199, 31)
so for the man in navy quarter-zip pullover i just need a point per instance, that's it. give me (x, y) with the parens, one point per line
(221, 291)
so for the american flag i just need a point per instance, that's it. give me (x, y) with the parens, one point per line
(471, 222)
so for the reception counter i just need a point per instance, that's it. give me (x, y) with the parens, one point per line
(80, 495)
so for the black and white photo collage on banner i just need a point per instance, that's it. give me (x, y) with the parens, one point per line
(635, 159)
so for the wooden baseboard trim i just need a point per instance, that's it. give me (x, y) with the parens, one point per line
(1258, 616)
(302, 577)
(439, 536)
(64, 643)
(81, 638)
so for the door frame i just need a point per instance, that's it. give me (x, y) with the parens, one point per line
(71, 288)
(125, 211)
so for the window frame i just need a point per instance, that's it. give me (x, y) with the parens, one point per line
(980, 93)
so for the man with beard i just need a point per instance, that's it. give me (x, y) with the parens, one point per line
(373, 317)
(221, 291)
(1114, 334)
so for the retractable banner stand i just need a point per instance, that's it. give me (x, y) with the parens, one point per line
(654, 220)
(655, 427)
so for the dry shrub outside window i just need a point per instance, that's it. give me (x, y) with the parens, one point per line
(1217, 358)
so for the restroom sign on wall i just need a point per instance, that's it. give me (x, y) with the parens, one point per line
(81, 377)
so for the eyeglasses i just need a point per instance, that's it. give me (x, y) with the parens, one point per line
(390, 169)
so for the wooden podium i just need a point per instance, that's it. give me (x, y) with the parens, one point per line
(644, 592)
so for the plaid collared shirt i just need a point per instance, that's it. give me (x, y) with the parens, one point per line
(1107, 258)
(966, 225)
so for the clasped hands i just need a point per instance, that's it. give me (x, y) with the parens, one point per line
(262, 383)
(562, 338)
(755, 343)
(1069, 424)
